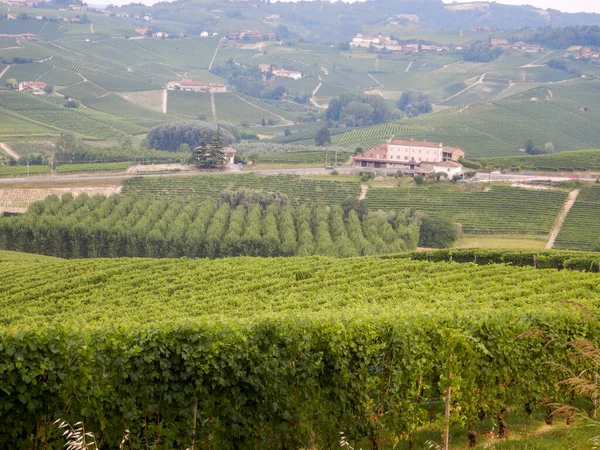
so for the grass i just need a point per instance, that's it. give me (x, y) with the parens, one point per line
(500, 242)
(8, 256)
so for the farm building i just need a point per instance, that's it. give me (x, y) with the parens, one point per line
(230, 154)
(196, 86)
(31, 86)
(412, 156)
(281, 73)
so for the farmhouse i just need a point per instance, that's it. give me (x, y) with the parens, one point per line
(31, 86)
(413, 157)
(160, 35)
(196, 86)
(281, 73)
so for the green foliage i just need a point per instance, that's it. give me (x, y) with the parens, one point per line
(271, 353)
(413, 103)
(358, 110)
(323, 137)
(437, 232)
(480, 52)
(469, 164)
(170, 136)
(246, 222)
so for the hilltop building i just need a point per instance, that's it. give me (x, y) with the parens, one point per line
(196, 86)
(413, 157)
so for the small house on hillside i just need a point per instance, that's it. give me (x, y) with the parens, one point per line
(31, 86)
(196, 86)
(413, 157)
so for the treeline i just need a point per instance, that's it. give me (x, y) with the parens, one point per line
(171, 136)
(354, 110)
(564, 37)
(253, 223)
(481, 52)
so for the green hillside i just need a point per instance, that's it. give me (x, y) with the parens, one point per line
(581, 229)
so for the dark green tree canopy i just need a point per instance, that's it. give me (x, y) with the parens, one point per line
(169, 136)
(413, 103)
(323, 137)
(358, 109)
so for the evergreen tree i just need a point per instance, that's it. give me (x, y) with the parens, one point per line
(210, 156)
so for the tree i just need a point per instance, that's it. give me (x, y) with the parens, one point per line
(528, 145)
(323, 137)
(184, 148)
(210, 156)
(549, 147)
(470, 174)
(287, 132)
(170, 136)
(414, 103)
(72, 104)
(439, 176)
(67, 143)
(12, 83)
(49, 89)
(437, 232)
(419, 180)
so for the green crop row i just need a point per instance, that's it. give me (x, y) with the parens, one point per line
(93, 167)
(247, 353)
(298, 190)
(22, 171)
(132, 226)
(581, 228)
(479, 209)
(582, 160)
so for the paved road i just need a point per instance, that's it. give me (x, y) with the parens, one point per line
(481, 177)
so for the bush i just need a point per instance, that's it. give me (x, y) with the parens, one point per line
(366, 176)
(437, 232)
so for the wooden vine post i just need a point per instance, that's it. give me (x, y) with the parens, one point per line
(446, 435)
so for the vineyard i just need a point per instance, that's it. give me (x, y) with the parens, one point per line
(22, 171)
(479, 209)
(279, 353)
(576, 160)
(93, 167)
(293, 153)
(581, 229)
(297, 189)
(132, 226)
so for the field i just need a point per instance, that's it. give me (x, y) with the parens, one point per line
(479, 209)
(581, 229)
(298, 190)
(325, 339)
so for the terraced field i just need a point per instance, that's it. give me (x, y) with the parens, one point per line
(581, 229)
(479, 209)
(210, 186)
